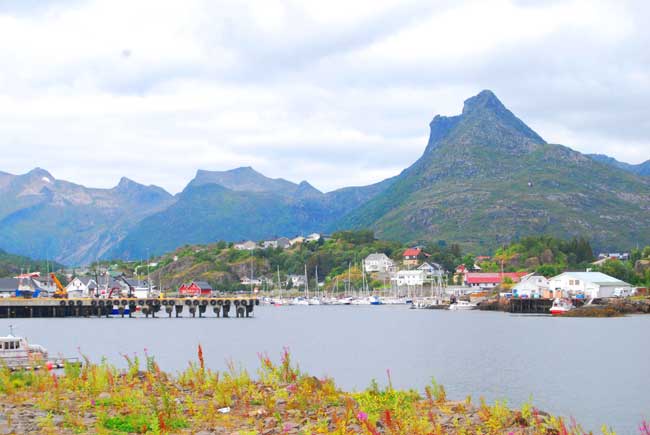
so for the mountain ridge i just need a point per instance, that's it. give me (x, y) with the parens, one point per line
(484, 178)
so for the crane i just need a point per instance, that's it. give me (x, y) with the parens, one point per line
(60, 292)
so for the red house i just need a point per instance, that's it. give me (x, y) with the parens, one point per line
(412, 256)
(195, 288)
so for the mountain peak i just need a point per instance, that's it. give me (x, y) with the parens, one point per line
(484, 100)
(125, 182)
(41, 173)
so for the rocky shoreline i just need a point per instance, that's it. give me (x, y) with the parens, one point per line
(100, 399)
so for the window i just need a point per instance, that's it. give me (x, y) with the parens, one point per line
(577, 282)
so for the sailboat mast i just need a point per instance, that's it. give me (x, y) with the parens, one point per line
(306, 283)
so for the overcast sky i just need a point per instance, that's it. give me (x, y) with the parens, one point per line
(335, 92)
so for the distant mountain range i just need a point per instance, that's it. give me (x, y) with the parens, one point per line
(43, 217)
(485, 178)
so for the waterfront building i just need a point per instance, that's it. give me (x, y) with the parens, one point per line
(589, 284)
(195, 288)
(487, 280)
(531, 286)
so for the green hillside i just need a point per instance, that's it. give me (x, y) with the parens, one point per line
(237, 205)
(486, 178)
(12, 265)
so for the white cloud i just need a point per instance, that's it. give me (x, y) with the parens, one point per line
(336, 93)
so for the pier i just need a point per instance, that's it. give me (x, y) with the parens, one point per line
(126, 307)
(524, 305)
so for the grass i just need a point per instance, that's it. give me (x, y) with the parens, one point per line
(142, 399)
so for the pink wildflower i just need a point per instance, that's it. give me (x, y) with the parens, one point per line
(362, 416)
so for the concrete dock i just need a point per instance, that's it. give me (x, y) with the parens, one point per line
(126, 307)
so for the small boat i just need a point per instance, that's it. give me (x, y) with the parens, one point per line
(561, 306)
(16, 353)
(463, 305)
(299, 301)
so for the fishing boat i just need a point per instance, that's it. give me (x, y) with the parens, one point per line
(16, 353)
(463, 305)
(561, 306)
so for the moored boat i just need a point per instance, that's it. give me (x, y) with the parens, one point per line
(561, 306)
(16, 353)
(463, 305)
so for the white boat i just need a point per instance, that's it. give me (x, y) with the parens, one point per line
(299, 301)
(314, 301)
(561, 306)
(463, 305)
(16, 353)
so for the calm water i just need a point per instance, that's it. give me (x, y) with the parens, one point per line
(595, 370)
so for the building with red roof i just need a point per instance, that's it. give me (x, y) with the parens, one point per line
(491, 280)
(412, 256)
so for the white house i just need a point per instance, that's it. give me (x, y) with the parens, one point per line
(409, 277)
(81, 288)
(296, 280)
(248, 245)
(248, 281)
(378, 262)
(531, 286)
(431, 269)
(314, 237)
(590, 284)
(266, 244)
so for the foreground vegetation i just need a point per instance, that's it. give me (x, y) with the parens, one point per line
(100, 399)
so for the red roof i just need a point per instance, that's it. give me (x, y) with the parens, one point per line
(412, 252)
(493, 278)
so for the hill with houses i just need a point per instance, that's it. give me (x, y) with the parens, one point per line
(485, 179)
(349, 261)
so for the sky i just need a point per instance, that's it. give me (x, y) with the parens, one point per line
(337, 93)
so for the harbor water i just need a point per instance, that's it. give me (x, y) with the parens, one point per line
(595, 370)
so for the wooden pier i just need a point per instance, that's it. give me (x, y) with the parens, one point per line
(125, 307)
(524, 305)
